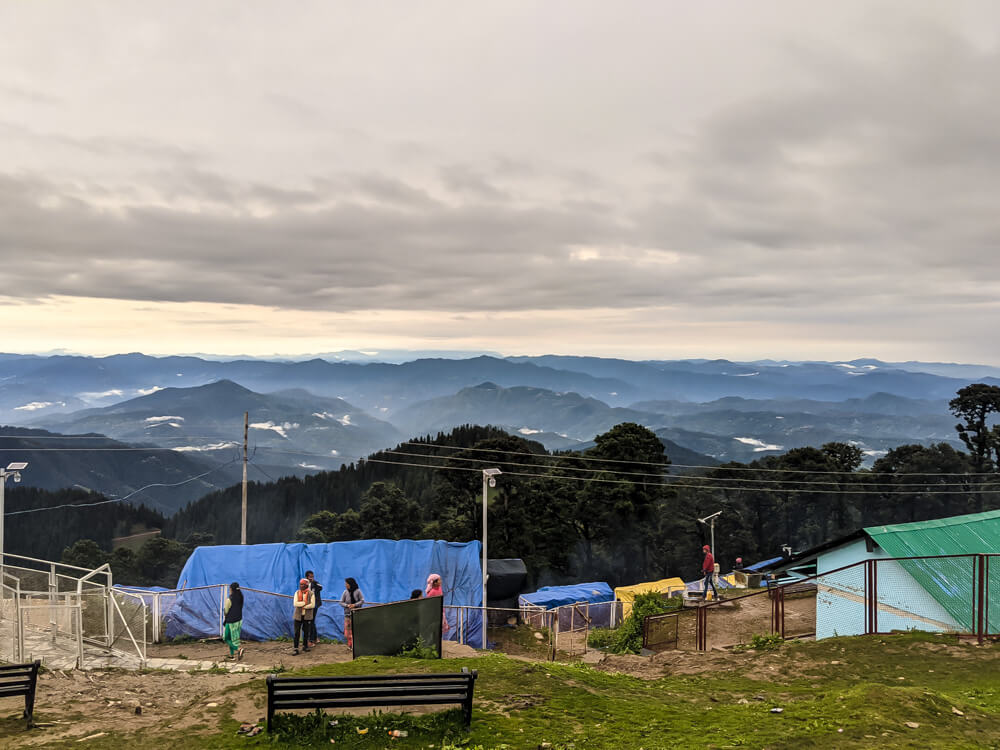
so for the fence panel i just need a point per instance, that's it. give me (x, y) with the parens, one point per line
(937, 594)
(130, 623)
(992, 615)
(661, 632)
(736, 620)
(796, 607)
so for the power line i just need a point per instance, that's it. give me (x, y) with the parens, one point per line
(676, 485)
(119, 499)
(619, 472)
(717, 467)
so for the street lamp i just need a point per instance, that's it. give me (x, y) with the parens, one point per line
(710, 522)
(14, 470)
(489, 480)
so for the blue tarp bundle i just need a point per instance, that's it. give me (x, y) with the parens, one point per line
(385, 570)
(559, 596)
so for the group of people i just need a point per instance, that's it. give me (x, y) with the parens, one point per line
(306, 602)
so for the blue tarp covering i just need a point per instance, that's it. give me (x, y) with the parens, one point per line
(385, 570)
(763, 564)
(559, 596)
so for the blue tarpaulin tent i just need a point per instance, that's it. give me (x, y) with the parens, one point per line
(586, 594)
(559, 596)
(385, 570)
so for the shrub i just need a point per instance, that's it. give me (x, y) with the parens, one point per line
(762, 643)
(601, 637)
(419, 650)
(628, 638)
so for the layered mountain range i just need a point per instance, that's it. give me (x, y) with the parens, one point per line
(307, 416)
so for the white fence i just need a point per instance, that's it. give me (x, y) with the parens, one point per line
(52, 611)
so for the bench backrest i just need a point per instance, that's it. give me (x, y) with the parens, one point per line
(18, 679)
(371, 690)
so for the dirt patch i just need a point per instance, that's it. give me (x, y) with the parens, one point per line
(277, 654)
(265, 654)
(89, 702)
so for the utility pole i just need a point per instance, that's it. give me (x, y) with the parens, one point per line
(710, 522)
(13, 471)
(246, 427)
(489, 480)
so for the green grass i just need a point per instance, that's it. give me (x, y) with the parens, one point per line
(877, 685)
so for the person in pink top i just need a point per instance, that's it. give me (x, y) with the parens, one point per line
(434, 589)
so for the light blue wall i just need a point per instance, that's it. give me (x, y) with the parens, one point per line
(903, 603)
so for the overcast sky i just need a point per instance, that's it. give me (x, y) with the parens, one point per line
(645, 179)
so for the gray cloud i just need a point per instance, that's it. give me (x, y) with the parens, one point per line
(858, 181)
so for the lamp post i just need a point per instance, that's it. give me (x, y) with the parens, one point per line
(489, 480)
(710, 522)
(13, 470)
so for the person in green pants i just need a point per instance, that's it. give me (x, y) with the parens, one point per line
(233, 622)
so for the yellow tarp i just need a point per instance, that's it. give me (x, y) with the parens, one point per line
(627, 594)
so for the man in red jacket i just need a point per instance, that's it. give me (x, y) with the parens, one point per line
(708, 570)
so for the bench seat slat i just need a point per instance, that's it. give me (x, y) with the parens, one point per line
(431, 676)
(369, 693)
(372, 689)
(393, 700)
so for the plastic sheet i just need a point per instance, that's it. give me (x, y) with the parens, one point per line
(385, 570)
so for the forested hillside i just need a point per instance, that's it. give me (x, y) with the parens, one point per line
(613, 511)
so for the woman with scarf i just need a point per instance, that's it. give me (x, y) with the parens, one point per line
(434, 589)
(350, 600)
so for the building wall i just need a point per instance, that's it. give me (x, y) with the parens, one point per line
(903, 604)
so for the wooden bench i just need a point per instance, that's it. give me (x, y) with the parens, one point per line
(20, 679)
(370, 691)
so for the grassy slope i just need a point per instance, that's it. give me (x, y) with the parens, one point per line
(877, 686)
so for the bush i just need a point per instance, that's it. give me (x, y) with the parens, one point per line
(601, 637)
(628, 638)
(762, 643)
(419, 650)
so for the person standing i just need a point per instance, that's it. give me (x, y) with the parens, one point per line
(350, 600)
(708, 570)
(434, 588)
(305, 608)
(317, 590)
(233, 622)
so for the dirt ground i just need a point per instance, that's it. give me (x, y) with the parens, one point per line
(94, 702)
(270, 655)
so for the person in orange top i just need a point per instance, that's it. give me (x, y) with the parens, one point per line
(708, 570)
(305, 609)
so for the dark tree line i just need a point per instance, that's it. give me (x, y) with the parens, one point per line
(612, 512)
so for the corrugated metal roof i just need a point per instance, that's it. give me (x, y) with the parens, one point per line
(958, 535)
(951, 581)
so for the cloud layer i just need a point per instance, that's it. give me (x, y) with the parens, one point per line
(842, 177)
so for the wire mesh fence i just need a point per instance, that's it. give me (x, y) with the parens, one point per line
(992, 604)
(736, 620)
(927, 593)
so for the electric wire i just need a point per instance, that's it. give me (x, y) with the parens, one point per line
(120, 499)
(675, 485)
(618, 472)
(716, 467)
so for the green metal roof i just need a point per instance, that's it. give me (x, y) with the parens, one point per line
(952, 582)
(958, 535)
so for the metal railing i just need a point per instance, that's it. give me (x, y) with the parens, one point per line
(65, 611)
(957, 594)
